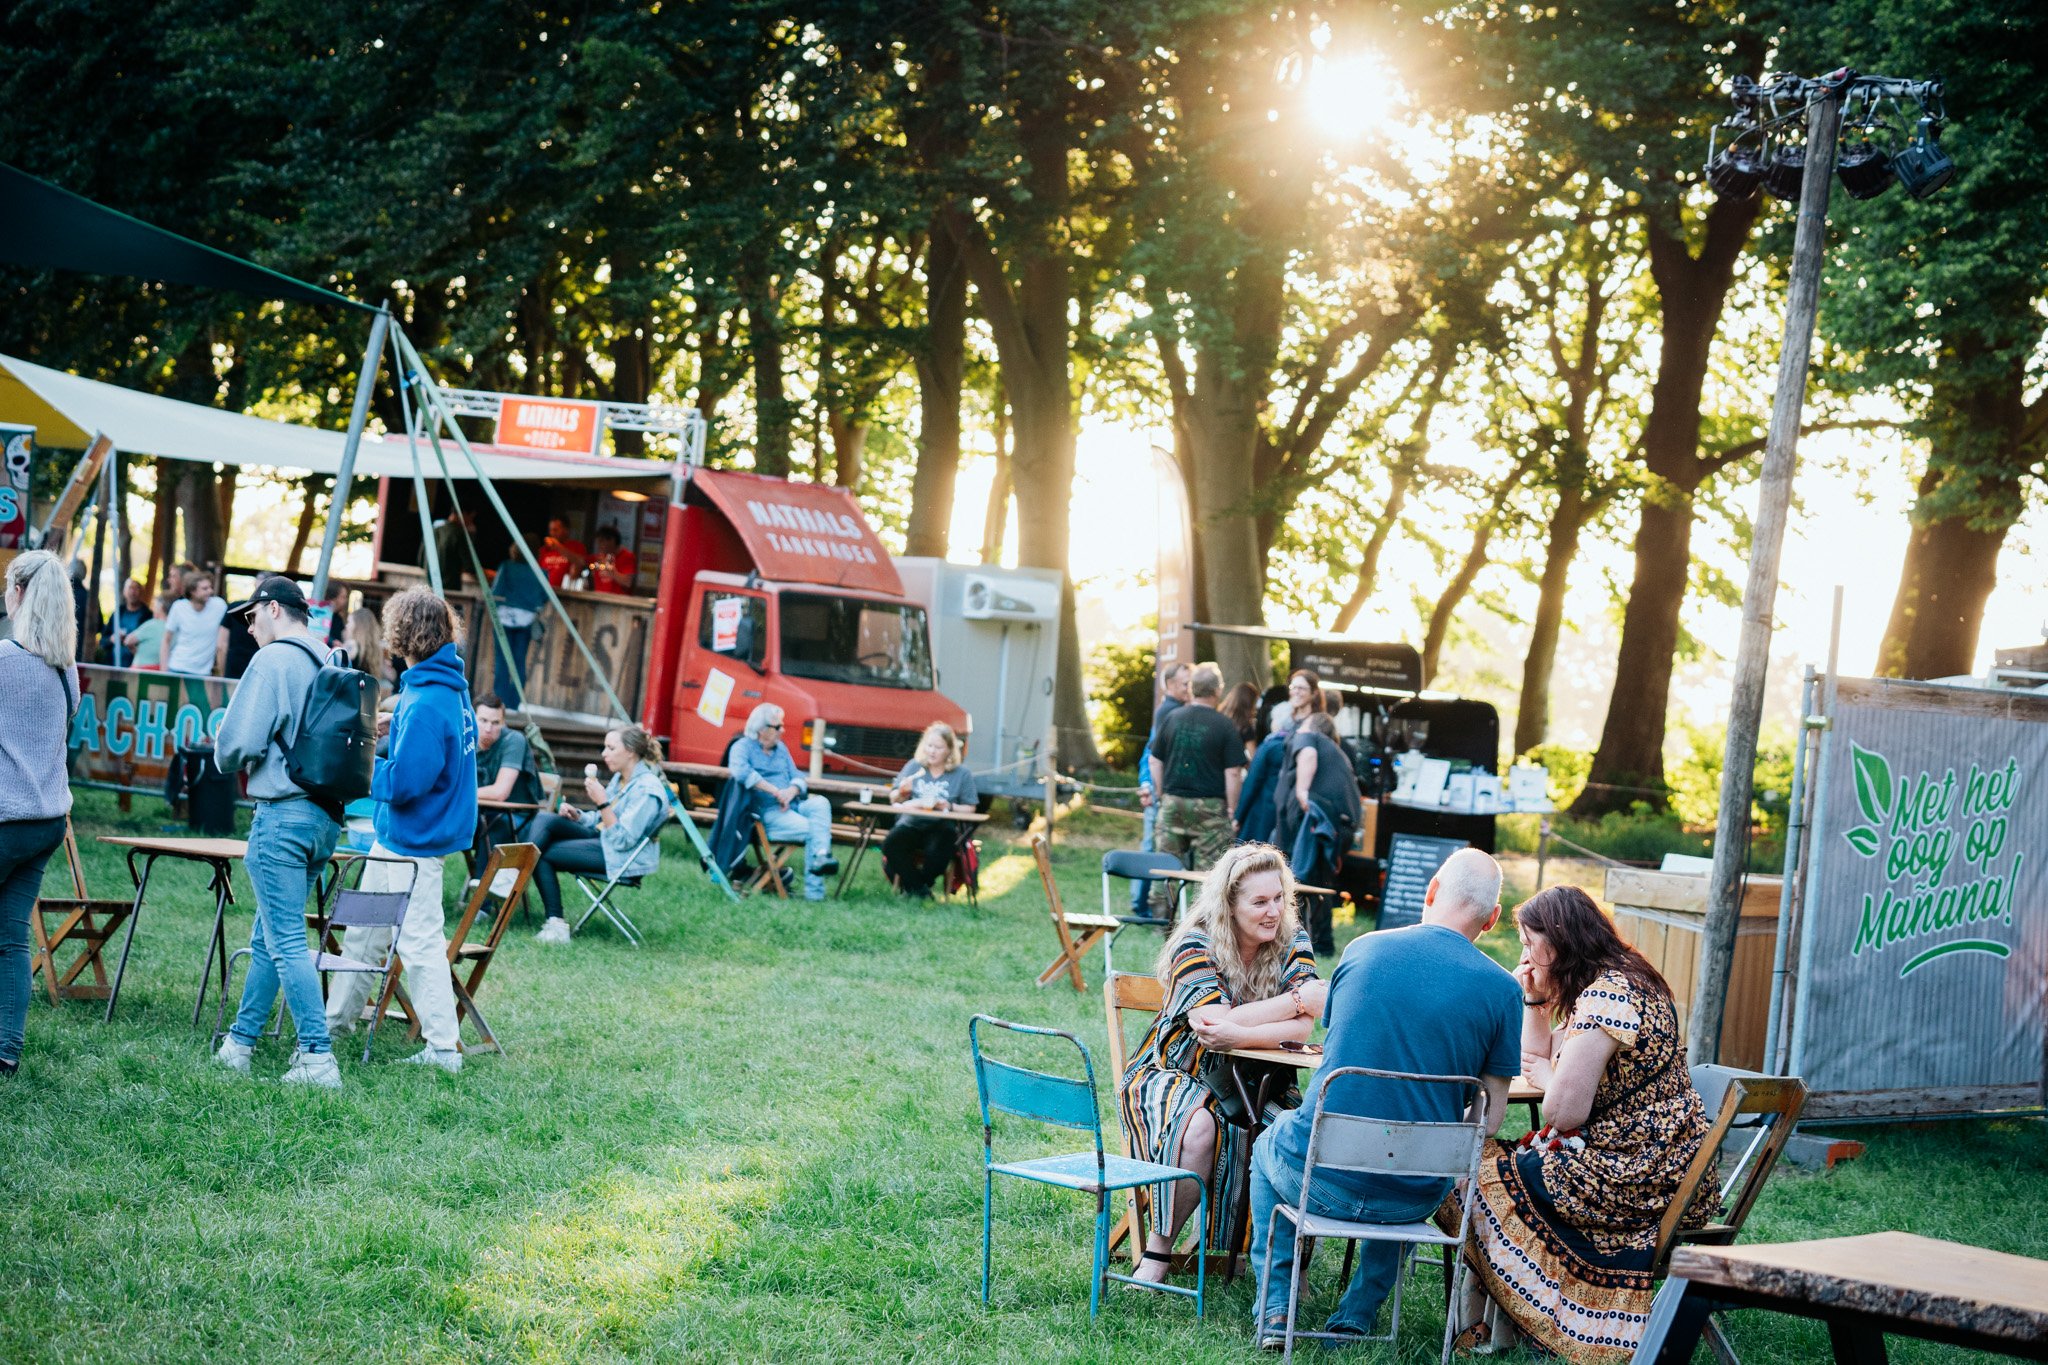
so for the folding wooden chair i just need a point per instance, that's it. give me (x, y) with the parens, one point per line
(1092, 927)
(518, 861)
(1764, 1109)
(75, 921)
(1127, 992)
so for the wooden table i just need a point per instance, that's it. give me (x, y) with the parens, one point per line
(716, 772)
(486, 811)
(219, 856)
(865, 816)
(1862, 1288)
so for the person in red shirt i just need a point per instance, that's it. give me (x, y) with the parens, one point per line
(560, 556)
(611, 565)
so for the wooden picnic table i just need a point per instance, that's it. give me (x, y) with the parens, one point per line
(219, 857)
(865, 816)
(717, 772)
(1862, 1288)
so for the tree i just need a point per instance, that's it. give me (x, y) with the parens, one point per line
(1938, 304)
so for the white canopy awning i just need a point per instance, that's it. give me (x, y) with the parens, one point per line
(66, 410)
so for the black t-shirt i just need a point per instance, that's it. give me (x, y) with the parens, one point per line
(1197, 745)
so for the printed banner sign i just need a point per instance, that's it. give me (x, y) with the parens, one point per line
(554, 426)
(130, 722)
(1925, 952)
(725, 624)
(1411, 861)
(17, 464)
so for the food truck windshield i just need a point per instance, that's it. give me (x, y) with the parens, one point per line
(855, 640)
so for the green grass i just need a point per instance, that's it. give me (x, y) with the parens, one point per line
(754, 1140)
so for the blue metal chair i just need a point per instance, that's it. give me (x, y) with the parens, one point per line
(1066, 1102)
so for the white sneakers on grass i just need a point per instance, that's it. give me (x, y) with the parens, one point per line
(233, 1055)
(555, 931)
(450, 1061)
(314, 1068)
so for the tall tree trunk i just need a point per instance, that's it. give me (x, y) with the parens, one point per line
(849, 441)
(1692, 291)
(226, 486)
(1561, 546)
(774, 414)
(1632, 740)
(164, 525)
(199, 510)
(313, 485)
(995, 520)
(632, 378)
(940, 366)
(1033, 346)
(1950, 569)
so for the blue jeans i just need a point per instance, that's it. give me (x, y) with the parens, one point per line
(25, 846)
(1145, 844)
(809, 819)
(289, 842)
(1277, 1180)
(511, 681)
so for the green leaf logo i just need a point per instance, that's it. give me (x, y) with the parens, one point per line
(1873, 784)
(1863, 839)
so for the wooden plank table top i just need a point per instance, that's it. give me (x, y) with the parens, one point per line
(1181, 874)
(487, 803)
(961, 817)
(180, 847)
(1521, 1090)
(719, 773)
(1911, 1281)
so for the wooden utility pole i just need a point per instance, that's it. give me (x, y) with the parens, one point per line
(1752, 658)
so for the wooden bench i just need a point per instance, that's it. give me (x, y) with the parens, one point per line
(1862, 1288)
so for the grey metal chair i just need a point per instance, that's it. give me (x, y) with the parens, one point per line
(1362, 1145)
(601, 893)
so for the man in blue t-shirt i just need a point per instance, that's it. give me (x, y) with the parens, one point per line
(1423, 1000)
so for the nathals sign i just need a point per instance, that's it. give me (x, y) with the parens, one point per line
(1948, 861)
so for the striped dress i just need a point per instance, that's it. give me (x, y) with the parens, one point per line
(1162, 1088)
(1563, 1240)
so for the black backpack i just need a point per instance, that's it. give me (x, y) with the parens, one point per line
(335, 751)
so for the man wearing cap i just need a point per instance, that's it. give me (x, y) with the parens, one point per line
(290, 838)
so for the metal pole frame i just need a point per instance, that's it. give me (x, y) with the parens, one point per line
(337, 505)
(1752, 660)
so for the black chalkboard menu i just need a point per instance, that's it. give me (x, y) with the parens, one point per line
(1411, 861)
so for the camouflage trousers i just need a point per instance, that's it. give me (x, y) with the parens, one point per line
(1195, 829)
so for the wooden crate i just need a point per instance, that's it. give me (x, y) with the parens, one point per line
(1663, 913)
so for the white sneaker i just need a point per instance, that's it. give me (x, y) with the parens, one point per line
(555, 931)
(233, 1055)
(314, 1068)
(450, 1062)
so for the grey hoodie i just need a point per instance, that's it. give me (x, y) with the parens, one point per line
(263, 718)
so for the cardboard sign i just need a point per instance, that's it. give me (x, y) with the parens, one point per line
(717, 692)
(18, 450)
(1411, 862)
(555, 426)
(130, 721)
(1924, 951)
(725, 624)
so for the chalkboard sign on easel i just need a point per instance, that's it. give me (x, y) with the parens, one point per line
(1411, 861)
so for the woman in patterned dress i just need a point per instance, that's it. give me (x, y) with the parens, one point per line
(1565, 1229)
(1232, 970)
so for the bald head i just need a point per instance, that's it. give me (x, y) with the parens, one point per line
(1464, 894)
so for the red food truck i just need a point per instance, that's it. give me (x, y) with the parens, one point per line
(747, 590)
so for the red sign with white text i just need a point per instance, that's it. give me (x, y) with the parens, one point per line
(554, 426)
(801, 532)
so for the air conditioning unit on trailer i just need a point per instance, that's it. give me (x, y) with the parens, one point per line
(1009, 599)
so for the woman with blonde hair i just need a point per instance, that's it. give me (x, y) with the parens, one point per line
(364, 643)
(918, 850)
(1232, 973)
(39, 678)
(606, 839)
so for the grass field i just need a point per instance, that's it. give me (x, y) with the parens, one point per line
(755, 1139)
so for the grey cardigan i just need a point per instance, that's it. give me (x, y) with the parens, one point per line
(35, 781)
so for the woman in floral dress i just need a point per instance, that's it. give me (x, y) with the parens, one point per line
(1565, 1227)
(1232, 973)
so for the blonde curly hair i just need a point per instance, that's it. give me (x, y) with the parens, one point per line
(1210, 916)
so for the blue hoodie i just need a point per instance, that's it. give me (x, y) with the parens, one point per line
(425, 789)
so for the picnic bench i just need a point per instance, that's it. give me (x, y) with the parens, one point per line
(1863, 1288)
